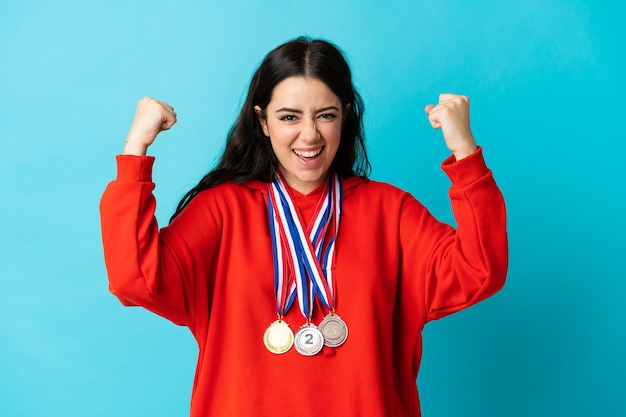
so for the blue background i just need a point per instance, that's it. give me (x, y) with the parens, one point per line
(547, 88)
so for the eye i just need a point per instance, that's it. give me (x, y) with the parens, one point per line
(288, 118)
(328, 116)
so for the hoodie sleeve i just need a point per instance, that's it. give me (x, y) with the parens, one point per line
(465, 265)
(147, 267)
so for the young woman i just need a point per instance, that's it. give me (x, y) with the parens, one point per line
(305, 284)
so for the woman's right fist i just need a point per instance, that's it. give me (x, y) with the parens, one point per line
(151, 118)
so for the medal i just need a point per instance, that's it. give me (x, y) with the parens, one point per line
(278, 337)
(304, 264)
(309, 340)
(334, 330)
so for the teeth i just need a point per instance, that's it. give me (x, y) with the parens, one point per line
(308, 154)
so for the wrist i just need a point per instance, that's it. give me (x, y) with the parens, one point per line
(465, 152)
(134, 148)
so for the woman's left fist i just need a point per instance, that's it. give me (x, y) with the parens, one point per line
(451, 115)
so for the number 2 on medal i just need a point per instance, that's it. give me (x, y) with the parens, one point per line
(308, 339)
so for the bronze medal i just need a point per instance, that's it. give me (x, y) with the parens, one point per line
(334, 330)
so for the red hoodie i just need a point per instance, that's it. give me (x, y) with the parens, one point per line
(397, 267)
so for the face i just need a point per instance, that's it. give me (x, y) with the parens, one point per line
(303, 121)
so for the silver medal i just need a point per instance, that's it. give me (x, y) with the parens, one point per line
(309, 340)
(334, 330)
(278, 338)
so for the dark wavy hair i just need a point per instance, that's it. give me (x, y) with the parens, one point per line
(248, 154)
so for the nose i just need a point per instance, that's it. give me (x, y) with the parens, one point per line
(309, 132)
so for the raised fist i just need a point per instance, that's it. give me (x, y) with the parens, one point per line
(451, 115)
(151, 118)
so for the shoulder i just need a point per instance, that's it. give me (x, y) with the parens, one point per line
(378, 199)
(225, 202)
(232, 193)
(365, 187)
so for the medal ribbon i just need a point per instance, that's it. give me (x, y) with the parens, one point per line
(304, 249)
(312, 253)
(284, 284)
(328, 256)
(325, 250)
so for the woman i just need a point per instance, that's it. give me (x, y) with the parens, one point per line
(305, 284)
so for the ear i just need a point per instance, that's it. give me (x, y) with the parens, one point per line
(262, 120)
(344, 114)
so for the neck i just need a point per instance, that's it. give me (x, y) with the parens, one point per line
(303, 187)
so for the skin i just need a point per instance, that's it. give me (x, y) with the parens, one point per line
(151, 118)
(303, 122)
(308, 129)
(451, 115)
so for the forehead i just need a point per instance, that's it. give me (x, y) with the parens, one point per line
(303, 91)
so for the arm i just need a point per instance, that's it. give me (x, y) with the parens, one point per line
(143, 267)
(468, 264)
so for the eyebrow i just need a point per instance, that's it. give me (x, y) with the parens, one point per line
(289, 110)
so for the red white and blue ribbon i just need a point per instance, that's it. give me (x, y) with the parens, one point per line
(307, 254)
(284, 285)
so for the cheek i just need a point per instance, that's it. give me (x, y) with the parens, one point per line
(280, 141)
(333, 135)
(282, 134)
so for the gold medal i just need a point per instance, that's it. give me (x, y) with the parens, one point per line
(278, 337)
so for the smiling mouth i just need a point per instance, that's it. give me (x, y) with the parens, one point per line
(308, 154)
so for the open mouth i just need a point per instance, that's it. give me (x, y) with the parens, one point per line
(308, 155)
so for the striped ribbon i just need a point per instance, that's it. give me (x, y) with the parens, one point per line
(307, 254)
